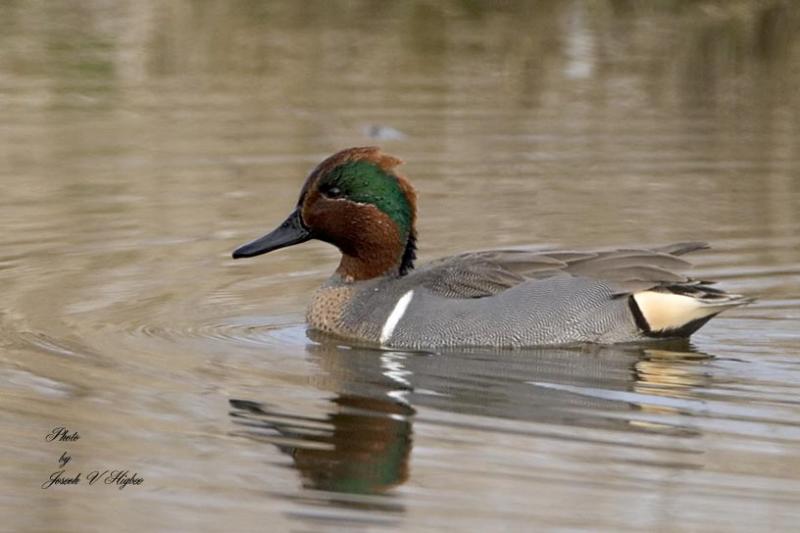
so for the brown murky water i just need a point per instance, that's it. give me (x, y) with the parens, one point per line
(140, 142)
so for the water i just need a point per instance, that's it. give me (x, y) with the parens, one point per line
(140, 142)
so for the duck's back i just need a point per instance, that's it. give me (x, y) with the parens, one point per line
(526, 298)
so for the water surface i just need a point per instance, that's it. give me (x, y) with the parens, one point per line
(140, 142)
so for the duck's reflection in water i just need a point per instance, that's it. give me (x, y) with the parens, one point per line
(362, 445)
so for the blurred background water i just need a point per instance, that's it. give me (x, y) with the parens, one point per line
(141, 141)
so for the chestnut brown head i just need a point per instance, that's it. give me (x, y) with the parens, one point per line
(356, 201)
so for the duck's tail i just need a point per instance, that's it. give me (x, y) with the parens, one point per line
(680, 310)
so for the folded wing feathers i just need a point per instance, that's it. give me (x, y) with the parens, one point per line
(608, 262)
(681, 248)
(458, 278)
(480, 274)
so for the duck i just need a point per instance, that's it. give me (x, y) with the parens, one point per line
(360, 203)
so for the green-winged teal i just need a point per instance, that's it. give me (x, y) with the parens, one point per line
(358, 202)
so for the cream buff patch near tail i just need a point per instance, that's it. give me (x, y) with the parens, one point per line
(666, 311)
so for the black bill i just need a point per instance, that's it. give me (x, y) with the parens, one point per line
(291, 232)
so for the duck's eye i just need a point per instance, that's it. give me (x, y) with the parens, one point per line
(332, 192)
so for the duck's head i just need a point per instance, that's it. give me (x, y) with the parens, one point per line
(356, 201)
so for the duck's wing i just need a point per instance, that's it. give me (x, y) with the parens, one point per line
(486, 273)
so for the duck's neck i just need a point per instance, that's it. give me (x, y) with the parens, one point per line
(369, 262)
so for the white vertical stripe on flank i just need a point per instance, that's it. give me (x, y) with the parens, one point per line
(395, 316)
